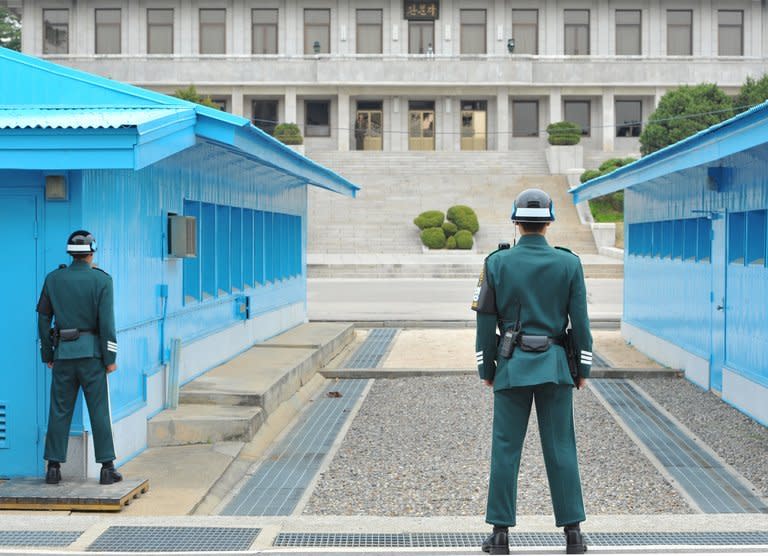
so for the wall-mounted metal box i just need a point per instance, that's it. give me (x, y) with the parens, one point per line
(182, 236)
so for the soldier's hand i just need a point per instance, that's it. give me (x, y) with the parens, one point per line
(488, 383)
(581, 382)
(111, 368)
(50, 364)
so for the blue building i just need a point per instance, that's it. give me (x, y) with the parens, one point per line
(80, 151)
(695, 275)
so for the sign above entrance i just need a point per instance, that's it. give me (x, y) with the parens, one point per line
(419, 10)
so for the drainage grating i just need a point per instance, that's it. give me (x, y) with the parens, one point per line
(712, 487)
(38, 538)
(291, 465)
(372, 350)
(175, 539)
(516, 540)
(598, 362)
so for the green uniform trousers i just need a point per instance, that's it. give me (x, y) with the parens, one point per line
(554, 410)
(68, 376)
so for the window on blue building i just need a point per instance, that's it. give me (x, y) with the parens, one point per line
(222, 250)
(737, 235)
(691, 227)
(704, 239)
(208, 250)
(258, 247)
(656, 239)
(248, 241)
(756, 237)
(678, 242)
(192, 265)
(269, 247)
(236, 247)
(667, 238)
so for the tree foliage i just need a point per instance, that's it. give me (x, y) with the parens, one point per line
(191, 94)
(10, 30)
(683, 112)
(752, 92)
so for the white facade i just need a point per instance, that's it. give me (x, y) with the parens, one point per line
(490, 98)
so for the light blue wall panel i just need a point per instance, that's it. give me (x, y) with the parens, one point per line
(127, 212)
(671, 298)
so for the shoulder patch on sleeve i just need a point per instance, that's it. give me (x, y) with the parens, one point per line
(566, 249)
(101, 270)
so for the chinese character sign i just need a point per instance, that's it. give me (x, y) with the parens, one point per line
(418, 9)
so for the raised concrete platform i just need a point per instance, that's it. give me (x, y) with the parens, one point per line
(34, 494)
(231, 402)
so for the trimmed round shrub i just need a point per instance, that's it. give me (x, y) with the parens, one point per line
(464, 239)
(429, 219)
(450, 243)
(610, 165)
(590, 175)
(564, 133)
(628, 160)
(449, 228)
(288, 134)
(464, 218)
(434, 238)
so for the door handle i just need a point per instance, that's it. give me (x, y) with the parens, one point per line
(720, 307)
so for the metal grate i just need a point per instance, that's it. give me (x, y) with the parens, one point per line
(38, 538)
(598, 362)
(3, 425)
(175, 539)
(372, 350)
(291, 465)
(516, 540)
(703, 478)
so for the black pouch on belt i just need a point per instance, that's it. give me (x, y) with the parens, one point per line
(69, 334)
(534, 343)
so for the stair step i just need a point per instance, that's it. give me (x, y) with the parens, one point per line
(204, 424)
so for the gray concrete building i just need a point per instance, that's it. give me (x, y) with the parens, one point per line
(404, 75)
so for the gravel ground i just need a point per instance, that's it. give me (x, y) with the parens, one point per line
(745, 446)
(421, 447)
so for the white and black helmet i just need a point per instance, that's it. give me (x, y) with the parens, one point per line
(533, 205)
(81, 242)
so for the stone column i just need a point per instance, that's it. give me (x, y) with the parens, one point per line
(657, 29)
(550, 29)
(502, 119)
(754, 47)
(290, 106)
(555, 107)
(609, 120)
(343, 121)
(237, 102)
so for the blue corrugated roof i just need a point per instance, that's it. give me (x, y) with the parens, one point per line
(32, 83)
(83, 118)
(743, 131)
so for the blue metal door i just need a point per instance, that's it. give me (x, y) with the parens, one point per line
(21, 373)
(718, 302)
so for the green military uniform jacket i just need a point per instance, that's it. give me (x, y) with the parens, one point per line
(78, 296)
(545, 286)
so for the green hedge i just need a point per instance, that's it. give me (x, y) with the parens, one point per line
(450, 243)
(288, 134)
(434, 238)
(564, 133)
(429, 219)
(464, 218)
(449, 228)
(464, 239)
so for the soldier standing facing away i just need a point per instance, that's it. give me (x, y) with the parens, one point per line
(530, 292)
(81, 349)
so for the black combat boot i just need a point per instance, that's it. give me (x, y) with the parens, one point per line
(574, 540)
(497, 542)
(109, 474)
(53, 475)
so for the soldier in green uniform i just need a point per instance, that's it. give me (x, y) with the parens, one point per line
(81, 350)
(530, 292)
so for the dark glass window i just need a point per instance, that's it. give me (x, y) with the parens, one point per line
(730, 33)
(265, 115)
(317, 118)
(369, 31)
(107, 31)
(628, 32)
(264, 31)
(317, 31)
(525, 31)
(473, 40)
(629, 115)
(55, 31)
(525, 118)
(213, 31)
(576, 32)
(578, 111)
(679, 32)
(159, 31)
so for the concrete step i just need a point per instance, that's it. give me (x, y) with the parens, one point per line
(436, 270)
(231, 401)
(204, 424)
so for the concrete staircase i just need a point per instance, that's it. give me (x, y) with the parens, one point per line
(232, 401)
(396, 187)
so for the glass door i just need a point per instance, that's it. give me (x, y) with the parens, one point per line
(421, 37)
(421, 126)
(369, 126)
(474, 125)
